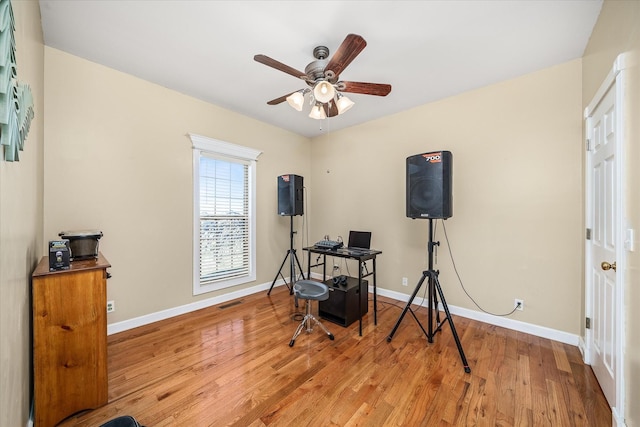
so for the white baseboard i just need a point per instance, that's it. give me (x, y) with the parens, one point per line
(114, 328)
(617, 420)
(517, 325)
(584, 351)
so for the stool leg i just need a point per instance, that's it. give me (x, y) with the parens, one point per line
(308, 316)
(298, 330)
(326, 331)
(307, 323)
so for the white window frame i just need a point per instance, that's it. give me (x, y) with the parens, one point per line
(210, 147)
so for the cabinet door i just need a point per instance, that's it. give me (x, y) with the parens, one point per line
(70, 346)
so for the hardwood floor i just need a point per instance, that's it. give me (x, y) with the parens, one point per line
(231, 365)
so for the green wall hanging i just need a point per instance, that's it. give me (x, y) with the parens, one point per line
(16, 100)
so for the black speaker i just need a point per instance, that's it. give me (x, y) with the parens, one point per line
(430, 185)
(290, 195)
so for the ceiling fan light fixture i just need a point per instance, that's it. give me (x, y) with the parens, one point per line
(322, 80)
(343, 103)
(296, 100)
(317, 112)
(324, 91)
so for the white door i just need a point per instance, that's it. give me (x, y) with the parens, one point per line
(602, 126)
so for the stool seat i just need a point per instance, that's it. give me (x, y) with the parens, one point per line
(311, 290)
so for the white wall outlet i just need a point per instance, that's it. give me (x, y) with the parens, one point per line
(404, 281)
(518, 307)
(111, 306)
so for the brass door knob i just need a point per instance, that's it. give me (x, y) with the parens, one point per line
(606, 266)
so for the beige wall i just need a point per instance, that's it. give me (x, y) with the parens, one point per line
(618, 31)
(516, 225)
(21, 227)
(118, 159)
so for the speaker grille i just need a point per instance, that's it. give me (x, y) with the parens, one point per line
(426, 194)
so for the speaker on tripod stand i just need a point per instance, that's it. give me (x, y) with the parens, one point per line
(430, 196)
(290, 203)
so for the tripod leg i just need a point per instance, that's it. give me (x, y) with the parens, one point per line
(279, 273)
(294, 258)
(292, 270)
(408, 306)
(426, 334)
(433, 305)
(467, 369)
(430, 307)
(295, 255)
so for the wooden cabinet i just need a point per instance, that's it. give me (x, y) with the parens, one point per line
(69, 339)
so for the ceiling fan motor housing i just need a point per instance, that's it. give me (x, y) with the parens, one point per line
(315, 70)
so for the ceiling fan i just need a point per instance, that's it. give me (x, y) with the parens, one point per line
(323, 78)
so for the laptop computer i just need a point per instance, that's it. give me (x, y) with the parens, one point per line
(359, 240)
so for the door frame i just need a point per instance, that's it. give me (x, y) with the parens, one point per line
(617, 77)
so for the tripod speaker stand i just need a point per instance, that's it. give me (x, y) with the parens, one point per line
(434, 285)
(293, 261)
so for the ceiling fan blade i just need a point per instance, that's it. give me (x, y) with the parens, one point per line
(270, 62)
(379, 89)
(348, 50)
(279, 100)
(330, 109)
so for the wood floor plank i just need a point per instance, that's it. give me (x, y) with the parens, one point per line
(523, 382)
(452, 412)
(589, 391)
(560, 356)
(231, 365)
(506, 402)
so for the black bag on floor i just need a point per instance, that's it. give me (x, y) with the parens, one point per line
(123, 421)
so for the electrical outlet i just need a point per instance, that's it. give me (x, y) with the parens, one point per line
(404, 281)
(336, 267)
(518, 304)
(111, 306)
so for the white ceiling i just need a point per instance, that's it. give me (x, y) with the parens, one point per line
(427, 50)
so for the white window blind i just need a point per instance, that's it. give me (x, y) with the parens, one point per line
(224, 220)
(224, 214)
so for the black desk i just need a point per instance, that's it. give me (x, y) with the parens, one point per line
(362, 256)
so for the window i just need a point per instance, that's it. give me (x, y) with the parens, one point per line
(224, 214)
